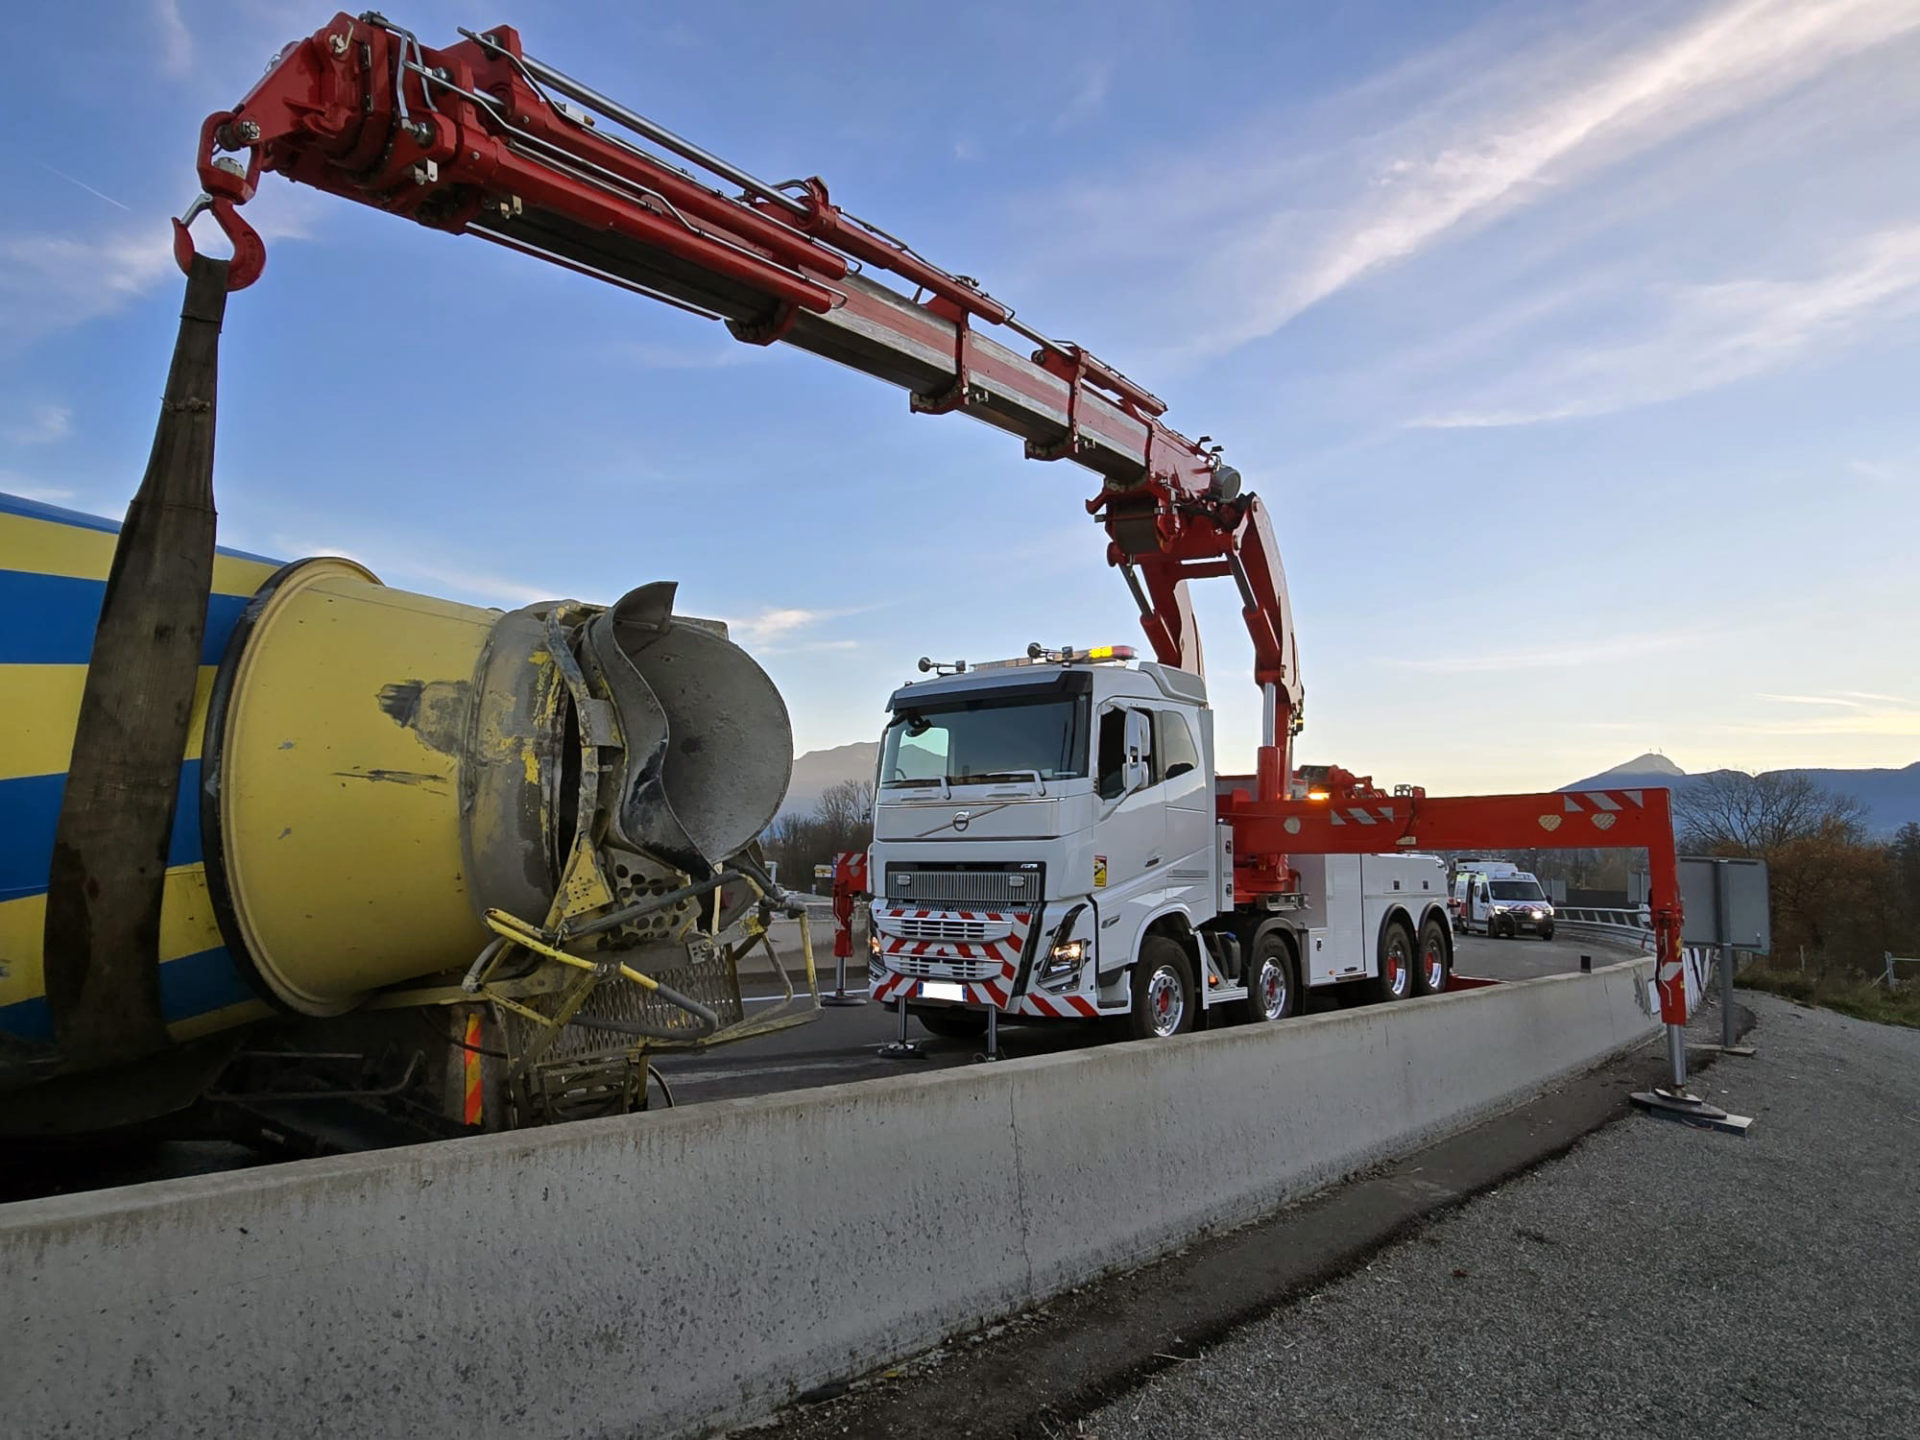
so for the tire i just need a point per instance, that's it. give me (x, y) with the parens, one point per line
(952, 1024)
(1395, 980)
(1546, 931)
(1273, 981)
(1433, 965)
(1162, 984)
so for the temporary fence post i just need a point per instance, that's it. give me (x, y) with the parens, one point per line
(1726, 997)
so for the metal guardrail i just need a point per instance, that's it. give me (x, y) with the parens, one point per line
(1634, 926)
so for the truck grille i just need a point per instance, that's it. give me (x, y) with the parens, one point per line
(961, 932)
(974, 889)
(944, 969)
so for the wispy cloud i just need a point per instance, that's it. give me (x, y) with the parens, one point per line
(1714, 335)
(1573, 655)
(1862, 714)
(51, 282)
(13, 483)
(43, 426)
(1880, 724)
(409, 566)
(1532, 120)
(785, 629)
(1841, 701)
(720, 353)
(176, 41)
(1090, 86)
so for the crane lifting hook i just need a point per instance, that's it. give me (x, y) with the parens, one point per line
(226, 185)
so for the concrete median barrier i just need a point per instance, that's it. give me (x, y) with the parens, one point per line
(646, 1276)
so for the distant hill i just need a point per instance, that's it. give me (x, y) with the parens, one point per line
(1891, 798)
(816, 770)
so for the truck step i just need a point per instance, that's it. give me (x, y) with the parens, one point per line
(1221, 994)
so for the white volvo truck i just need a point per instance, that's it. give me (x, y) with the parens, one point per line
(1046, 846)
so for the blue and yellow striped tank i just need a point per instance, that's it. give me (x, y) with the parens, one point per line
(53, 570)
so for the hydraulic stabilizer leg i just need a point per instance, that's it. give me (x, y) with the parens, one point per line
(102, 929)
(901, 1048)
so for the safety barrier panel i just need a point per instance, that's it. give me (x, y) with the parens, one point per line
(667, 1273)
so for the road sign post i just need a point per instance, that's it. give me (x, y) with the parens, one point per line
(1724, 904)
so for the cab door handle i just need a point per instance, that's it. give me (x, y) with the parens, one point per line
(1154, 861)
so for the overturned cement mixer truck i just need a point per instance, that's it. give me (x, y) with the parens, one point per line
(413, 868)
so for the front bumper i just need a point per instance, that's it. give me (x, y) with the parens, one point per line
(981, 959)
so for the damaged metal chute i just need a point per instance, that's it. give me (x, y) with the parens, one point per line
(708, 746)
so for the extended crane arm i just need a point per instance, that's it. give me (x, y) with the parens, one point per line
(480, 138)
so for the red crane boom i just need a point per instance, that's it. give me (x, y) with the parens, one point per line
(480, 138)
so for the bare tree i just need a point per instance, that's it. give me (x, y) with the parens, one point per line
(1731, 812)
(841, 819)
(845, 812)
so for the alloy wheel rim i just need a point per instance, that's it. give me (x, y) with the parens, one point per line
(1273, 989)
(1164, 1002)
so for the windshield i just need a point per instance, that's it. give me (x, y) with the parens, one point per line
(966, 742)
(1516, 890)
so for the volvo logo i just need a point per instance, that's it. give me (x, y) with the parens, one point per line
(962, 819)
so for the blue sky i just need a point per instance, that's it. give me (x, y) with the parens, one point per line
(1574, 347)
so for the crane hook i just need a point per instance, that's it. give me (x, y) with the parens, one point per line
(226, 185)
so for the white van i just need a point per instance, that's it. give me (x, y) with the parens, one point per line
(1496, 898)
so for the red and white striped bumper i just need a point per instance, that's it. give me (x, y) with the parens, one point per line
(984, 964)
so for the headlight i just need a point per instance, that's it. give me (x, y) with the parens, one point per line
(1063, 962)
(1535, 915)
(1499, 910)
(873, 946)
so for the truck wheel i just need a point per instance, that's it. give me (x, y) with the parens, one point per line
(1273, 980)
(1431, 973)
(1395, 980)
(952, 1024)
(1546, 931)
(1162, 991)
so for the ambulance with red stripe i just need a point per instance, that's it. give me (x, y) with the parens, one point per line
(1046, 847)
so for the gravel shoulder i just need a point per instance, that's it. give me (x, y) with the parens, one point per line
(1655, 1280)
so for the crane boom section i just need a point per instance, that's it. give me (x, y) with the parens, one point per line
(480, 138)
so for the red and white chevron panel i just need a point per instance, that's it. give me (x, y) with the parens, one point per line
(1057, 1007)
(1009, 931)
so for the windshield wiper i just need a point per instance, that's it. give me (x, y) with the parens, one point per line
(988, 777)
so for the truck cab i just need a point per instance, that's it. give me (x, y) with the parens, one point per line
(1046, 846)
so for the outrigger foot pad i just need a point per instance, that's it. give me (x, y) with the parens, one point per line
(1690, 1110)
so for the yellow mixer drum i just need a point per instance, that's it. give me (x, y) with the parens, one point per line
(337, 754)
(381, 768)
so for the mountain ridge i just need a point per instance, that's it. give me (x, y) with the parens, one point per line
(1890, 795)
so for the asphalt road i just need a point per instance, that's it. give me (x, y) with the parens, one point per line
(844, 1044)
(1655, 1281)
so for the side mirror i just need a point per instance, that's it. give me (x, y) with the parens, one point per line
(1137, 770)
